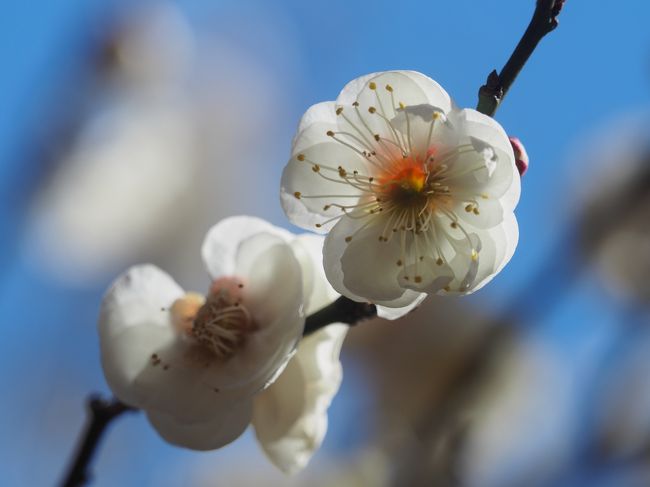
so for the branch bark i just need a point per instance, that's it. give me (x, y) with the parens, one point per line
(102, 412)
(544, 20)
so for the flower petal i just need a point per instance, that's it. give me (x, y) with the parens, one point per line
(223, 239)
(312, 190)
(309, 251)
(264, 261)
(290, 417)
(133, 323)
(334, 250)
(226, 425)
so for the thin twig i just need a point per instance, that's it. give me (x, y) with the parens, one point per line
(497, 85)
(102, 412)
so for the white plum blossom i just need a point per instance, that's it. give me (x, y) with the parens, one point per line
(202, 368)
(416, 195)
(194, 363)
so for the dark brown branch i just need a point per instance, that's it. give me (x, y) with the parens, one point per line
(343, 310)
(497, 85)
(102, 412)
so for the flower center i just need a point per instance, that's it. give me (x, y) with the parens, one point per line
(220, 322)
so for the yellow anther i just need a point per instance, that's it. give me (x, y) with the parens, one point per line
(475, 211)
(339, 110)
(454, 225)
(300, 157)
(348, 239)
(389, 88)
(342, 172)
(435, 115)
(326, 207)
(372, 109)
(402, 106)
(315, 168)
(418, 279)
(377, 137)
(355, 104)
(297, 194)
(439, 261)
(318, 225)
(469, 208)
(485, 196)
(372, 85)
(330, 133)
(474, 255)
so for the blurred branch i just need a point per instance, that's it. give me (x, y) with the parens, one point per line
(497, 85)
(102, 412)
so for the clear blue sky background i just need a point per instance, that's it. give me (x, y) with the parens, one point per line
(593, 68)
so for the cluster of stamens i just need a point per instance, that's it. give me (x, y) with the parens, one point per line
(407, 187)
(221, 323)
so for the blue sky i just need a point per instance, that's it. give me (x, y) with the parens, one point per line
(593, 69)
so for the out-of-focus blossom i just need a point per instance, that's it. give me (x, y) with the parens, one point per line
(614, 213)
(518, 424)
(416, 194)
(290, 417)
(195, 363)
(145, 173)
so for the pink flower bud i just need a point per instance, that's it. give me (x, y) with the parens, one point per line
(521, 156)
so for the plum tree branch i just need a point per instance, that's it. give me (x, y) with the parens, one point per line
(102, 412)
(544, 20)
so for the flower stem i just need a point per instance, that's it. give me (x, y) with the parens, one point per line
(102, 412)
(544, 20)
(343, 310)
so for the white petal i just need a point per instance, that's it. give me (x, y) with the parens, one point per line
(506, 183)
(290, 417)
(305, 193)
(225, 426)
(335, 248)
(402, 81)
(400, 307)
(133, 323)
(313, 126)
(272, 293)
(318, 293)
(222, 240)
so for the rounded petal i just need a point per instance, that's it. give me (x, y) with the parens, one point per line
(264, 261)
(226, 425)
(313, 126)
(400, 307)
(133, 324)
(402, 82)
(223, 239)
(290, 417)
(318, 292)
(334, 249)
(311, 189)
(486, 129)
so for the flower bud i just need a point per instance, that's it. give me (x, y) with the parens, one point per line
(521, 156)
